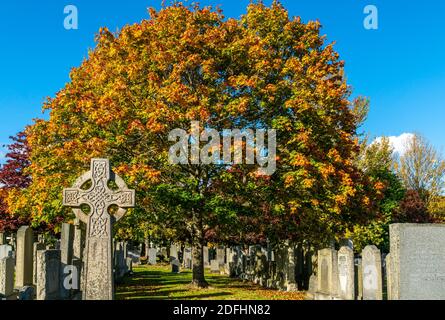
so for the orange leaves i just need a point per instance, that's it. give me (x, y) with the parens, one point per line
(335, 155)
(139, 175)
(327, 170)
(299, 160)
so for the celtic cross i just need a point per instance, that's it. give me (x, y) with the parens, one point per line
(98, 267)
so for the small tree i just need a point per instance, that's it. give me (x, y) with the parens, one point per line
(422, 169)
(377, 162)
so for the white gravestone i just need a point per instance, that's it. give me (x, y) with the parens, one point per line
(372, 273)
(346, 273)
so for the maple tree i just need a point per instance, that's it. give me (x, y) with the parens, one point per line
(183, 64)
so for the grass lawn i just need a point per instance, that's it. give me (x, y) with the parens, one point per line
(158, 283)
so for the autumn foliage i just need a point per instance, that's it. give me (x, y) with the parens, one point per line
(13, 177)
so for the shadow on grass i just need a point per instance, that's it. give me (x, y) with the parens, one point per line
(160, 284)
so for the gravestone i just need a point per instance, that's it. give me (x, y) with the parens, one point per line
(175, 265)
(214, 266)
(220, 256)
(5, 251)
(66, 243)
(129, 265)
(291, 283)
(48, 274)
(372, 273)
(173, 252)
(389, 281)
(66, 255)
(346, 273)
(206, 256)
(37, 246)
(24, 259)
(417, 261)
(6, 277)
(327, 274)
(152, 254)
(187, 258)
(98, 278)
(120, 261)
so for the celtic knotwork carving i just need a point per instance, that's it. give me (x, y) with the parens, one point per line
(99, 197)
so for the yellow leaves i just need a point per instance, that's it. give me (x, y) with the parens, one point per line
(289, 181)
(326, 170)
(299, 160)
(335, 155)
(308, 183)
(139, 175)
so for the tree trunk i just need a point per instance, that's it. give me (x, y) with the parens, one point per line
(198, 266)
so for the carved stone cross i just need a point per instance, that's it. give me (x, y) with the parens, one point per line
(98, 281)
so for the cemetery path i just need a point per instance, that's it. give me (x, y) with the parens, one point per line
(158, 283)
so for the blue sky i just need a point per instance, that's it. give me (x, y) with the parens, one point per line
(400, 66)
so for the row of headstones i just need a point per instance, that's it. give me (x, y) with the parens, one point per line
(413, 270)
(278, 269)
(217, 265)
(340, 277)
(49, 272)
(285, 267)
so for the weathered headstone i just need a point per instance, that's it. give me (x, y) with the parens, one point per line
(6, 277)
(175, 265)
(389, 273)
(24, 258)
(37, 246)
(206, 256)
(346, 273)
(98, 279)
(120, 263)
(220, 256)
(173, 252)
(214, 266)
(417, 261)
(327, 274)
(152, 254)
(372, 273)
(48, 274)
(187, 258)
(291, 283)
(129, 265)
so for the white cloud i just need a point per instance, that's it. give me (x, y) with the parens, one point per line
(399, 143)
